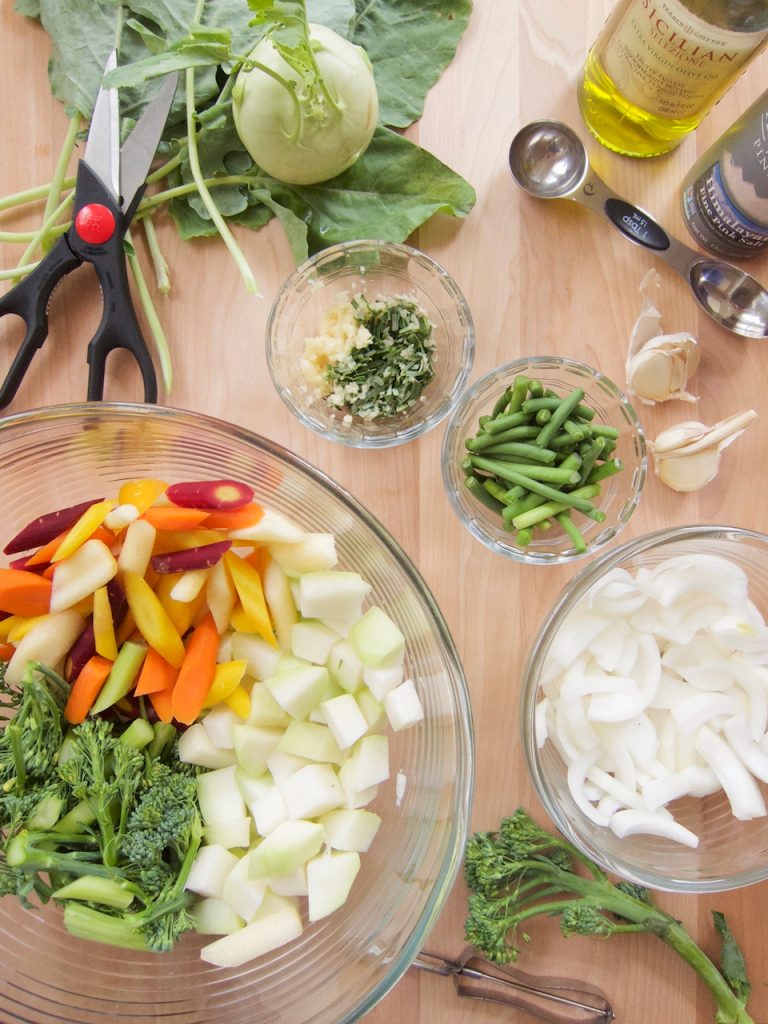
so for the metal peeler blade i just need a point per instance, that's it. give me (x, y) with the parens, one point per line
(557, 1000)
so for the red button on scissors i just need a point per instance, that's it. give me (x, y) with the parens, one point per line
(109, 185)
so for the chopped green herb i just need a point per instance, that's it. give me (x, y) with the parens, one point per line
(389, 365)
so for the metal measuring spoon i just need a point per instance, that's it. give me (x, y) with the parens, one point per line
(548, 160)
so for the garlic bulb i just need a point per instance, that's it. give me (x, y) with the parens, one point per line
(658, 365)
(686, 457)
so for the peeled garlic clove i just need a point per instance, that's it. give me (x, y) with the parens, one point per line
(691, 473)
(686, 457)
(660, 370)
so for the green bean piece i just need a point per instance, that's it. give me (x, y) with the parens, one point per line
(551, 401)
(590, 457)
(519, 449)
(525, 451)
(605, 469)
(547, 509)
(485, 440)
(507, 419)
(514, 494)
(604, 430)
(570, 499)
(482, 420)
(523, 538)
(535, 388)
(497, 490)
(571, 461)
(466, 467)
(543, 416)
(551, 474)
(501, 403)
(476, 488)
(519, 391)
(577, 431)
(573, 532)
(525, 504)
(559, 416)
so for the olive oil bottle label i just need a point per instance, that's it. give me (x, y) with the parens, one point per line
(669, 62)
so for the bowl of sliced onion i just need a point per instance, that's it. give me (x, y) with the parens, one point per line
(645, 709)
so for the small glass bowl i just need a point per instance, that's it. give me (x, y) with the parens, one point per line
(731, 853)
(620, 493)
(376, 269)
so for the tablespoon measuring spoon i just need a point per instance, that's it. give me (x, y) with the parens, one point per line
(548, 160)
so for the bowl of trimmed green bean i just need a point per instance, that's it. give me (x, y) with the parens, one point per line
(544, 460)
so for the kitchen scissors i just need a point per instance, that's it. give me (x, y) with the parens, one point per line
(109, 185)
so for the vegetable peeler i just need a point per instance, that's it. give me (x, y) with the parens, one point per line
(108, 187)
(557, 1000)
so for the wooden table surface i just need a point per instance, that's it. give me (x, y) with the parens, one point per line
(540, 278)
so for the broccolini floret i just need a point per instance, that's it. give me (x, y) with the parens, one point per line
(522, 871)
(99, 819)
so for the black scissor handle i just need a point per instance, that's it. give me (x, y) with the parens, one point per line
(29, 300)
(119, 327)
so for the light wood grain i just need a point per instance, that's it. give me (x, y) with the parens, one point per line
(541, 278)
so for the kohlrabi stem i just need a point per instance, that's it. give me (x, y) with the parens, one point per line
(161, 198)
(14, 272)
(59, 173)
(205, 195)
(48, 229)
(158, 260)
(153, 320)
(30, 195)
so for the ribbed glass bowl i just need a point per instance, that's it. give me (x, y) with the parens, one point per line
(342, 965)
(731, 853)
(376, 269)
(620, 493)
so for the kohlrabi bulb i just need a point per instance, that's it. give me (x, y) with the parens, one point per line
(300, 139)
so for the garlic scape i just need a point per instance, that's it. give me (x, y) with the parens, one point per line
(658, 365)
(687, 456)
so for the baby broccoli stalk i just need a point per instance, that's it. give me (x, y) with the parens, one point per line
(522, 871)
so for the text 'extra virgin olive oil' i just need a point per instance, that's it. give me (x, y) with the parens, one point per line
(658, 66)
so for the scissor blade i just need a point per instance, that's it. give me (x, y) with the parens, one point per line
(102, 150)
(139, 148)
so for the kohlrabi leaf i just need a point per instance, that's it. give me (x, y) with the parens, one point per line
(389, 192)
(30, 8)
(410, 43)
(295, 227)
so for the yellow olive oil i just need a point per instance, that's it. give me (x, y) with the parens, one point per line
(658, 66)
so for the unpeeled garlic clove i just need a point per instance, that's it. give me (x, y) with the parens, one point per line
(660, 370)
(658, 365)
(687, 456)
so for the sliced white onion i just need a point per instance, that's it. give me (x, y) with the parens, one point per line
(632, 822)
(744, 747)
(740, 787)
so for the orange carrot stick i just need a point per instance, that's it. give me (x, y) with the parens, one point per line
(86, 688)
(162, 702)
(169, 517)
(196, 672)
(24, 593)
(156, 674)
(44, 554)
(234, 518)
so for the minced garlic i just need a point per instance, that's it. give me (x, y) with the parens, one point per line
(339, 332)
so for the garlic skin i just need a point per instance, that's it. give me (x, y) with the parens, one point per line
(658, 365)
(687, 457)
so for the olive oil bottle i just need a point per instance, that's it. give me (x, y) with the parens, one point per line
(658, 66)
